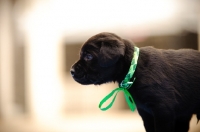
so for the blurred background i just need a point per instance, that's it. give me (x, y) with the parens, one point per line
(41, 39)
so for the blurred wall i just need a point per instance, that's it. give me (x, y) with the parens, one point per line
(34, 33)
(40, 40)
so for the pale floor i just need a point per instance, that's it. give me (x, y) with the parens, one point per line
(112, 122)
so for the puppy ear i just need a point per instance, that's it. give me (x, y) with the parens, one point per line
(110, 52)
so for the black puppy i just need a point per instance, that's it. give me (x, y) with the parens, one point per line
(167, 86)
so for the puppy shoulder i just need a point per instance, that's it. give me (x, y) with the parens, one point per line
(150, 51)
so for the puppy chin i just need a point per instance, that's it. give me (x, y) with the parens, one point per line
(85, 81)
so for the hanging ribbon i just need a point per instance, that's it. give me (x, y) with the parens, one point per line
(124, 86)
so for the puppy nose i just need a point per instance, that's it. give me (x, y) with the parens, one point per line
(72, 72)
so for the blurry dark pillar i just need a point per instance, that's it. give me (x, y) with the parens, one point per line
(199, 31)
(19, 96)
(12, 75)
(6, 60)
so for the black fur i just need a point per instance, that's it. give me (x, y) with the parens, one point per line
(167, 86)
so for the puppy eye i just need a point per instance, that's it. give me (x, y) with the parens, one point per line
(88, 57)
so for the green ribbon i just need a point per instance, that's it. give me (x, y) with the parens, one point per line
(124, 86)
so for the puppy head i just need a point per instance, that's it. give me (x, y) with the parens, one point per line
(98, 61)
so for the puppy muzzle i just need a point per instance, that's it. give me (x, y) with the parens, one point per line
(83, 78)
(79, 75)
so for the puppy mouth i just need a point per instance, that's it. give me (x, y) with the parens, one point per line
(82, 76)
(85, 80)
(93, 81)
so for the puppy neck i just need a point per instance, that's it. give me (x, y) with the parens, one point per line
(125, 61)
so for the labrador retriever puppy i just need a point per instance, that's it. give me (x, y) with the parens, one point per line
(167, 85)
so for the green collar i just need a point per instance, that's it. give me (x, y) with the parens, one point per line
(124, 86)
